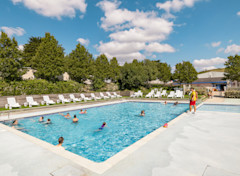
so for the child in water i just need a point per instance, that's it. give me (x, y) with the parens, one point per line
(83, 112)
(75, 119)
(142, 113)
(103, 126)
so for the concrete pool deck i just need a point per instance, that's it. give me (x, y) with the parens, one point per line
(202, 144)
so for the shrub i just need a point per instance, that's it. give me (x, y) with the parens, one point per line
(232, 94)
(38, 86)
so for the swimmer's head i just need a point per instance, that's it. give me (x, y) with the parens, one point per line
(75, 116)
(49, 120)
(60, 140)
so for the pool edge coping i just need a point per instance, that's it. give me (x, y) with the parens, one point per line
(92, 166)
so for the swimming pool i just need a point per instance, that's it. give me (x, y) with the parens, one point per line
(124, 127)
(220, 108)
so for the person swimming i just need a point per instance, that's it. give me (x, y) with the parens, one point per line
(60, 142)
(176, 103)
(103, 126)
(165, 102)
(66, 116)
(15, 122)
(142, 113)
(83, 112)
(75, 119)
(41, 119)
(48, 121)
(16, 125)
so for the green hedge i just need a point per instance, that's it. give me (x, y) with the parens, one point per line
(30, 87)
(232, 94)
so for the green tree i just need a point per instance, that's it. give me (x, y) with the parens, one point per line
(102, 67)
(185, 72)
(232, 70)
(133, 75)
(49, 59)
(79, 64)
(151, 69)
(30, 50)
(164, 72)
(114, 69)
(10, 55)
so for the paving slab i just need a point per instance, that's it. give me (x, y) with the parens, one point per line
(212, 171)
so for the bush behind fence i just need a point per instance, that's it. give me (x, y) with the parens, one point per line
(30, 87)
(232, 94)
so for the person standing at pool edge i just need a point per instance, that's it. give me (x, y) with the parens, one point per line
(193, 99)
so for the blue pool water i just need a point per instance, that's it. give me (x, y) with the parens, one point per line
(220, 108)
(124, 127)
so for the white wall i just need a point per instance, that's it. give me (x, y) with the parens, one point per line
(211, 75)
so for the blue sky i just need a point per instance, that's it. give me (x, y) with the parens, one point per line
(204, 32)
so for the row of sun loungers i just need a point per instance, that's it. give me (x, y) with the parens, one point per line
(158, 94)
(11, 102)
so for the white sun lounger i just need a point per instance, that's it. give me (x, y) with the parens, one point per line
(94, 97)
(110, 95)
(171, 95)
(47, 100)
(103, 96)
(150, 94)
(74, 99)
(180, 95)
(157, 95)
(63, 100)
(85, 98)
(118, 96)
(164, 93)
(137, 94)
(12, 103)
(31, 102)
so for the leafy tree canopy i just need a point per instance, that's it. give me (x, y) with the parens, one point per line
(102, 67)
(164, 72)
(185, 72)
(114, 69)
(232, 70)
(30, 50)
(79, 64)
(10, 55)
(133, 75)
(49, 59)
(151, 68)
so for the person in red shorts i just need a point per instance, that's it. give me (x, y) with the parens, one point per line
(193, 99)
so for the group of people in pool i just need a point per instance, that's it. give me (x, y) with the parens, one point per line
(41, 120)
(75, 119)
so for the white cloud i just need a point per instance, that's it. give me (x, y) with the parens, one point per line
(132, 32)
(21, 47)
(10, 31)
(220, 50)
(238, 13)
(159, 48)
(55, 8)
(174, 6)
(232, 49)
(230, 41)
(216, 44)
(207, 64)
(83, 41)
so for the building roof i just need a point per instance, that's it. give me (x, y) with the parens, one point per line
(209, 80)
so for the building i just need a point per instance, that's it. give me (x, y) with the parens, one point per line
(211, 80)
(29, 74)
